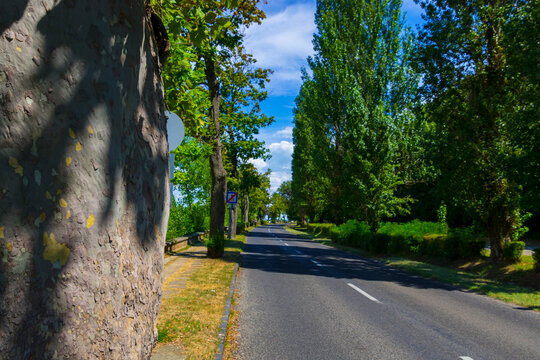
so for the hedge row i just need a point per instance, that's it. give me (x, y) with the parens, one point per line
(460, 243)
(320, 229)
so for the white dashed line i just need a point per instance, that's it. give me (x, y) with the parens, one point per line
(466, 358)
(316, 263)
(363, 293)
(298, 252)
(286, 244)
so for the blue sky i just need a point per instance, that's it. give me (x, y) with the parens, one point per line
(282, 43)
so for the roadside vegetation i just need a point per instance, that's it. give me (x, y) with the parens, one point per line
(514, 281)
(397, 125)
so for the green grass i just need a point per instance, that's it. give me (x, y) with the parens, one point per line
(507, 292)
(415, 227)
(483, 277)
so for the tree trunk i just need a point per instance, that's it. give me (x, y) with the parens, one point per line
(234, 222)
(246, 209)
(84, 188)
(499, 229)
(219, 175)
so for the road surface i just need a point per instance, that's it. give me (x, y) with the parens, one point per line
(302, 300)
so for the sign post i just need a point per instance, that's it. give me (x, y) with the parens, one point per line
(232, 200)
(175, 135)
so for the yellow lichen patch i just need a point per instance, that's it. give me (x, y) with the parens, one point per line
(90, 130)
(54, 251)
(9, 247)
(68, 161)
(63, 203)
(18, 49)
(71, 134)
(90, 221)
(156, 232)
(59, 192)
(68, 214)
(48, 195)
(19, 170)
(42, 217)
(2, 228)
(78, 147)
(13, 162)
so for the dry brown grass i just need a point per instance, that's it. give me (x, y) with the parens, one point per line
(232, 341)
(191, 319)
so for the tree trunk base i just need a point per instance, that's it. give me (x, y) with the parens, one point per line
(214, 252)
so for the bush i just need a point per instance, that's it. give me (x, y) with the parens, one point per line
(462, 243)
(353, 233)
(240, 227)
(379, 243)
(415, 227)
(185, 220)
(320, 229)
(433, 245)
(513, 250)
(200, 221)
(536, 259)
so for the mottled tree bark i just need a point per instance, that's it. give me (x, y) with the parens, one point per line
(234, 221)
(217, 171)
(246, 209)
(84, 180)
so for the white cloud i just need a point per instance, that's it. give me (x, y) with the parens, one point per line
(285, 132)
(277, 178)
(258, 163)
(283, 146)
(283, 42)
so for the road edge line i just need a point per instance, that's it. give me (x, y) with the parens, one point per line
(226, 314)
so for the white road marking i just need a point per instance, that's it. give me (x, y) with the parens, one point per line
(286, 244)
(316, 263)
(298, 252)
(466, 358)
(363, 293)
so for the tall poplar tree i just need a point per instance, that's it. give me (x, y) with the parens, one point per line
(358, 104)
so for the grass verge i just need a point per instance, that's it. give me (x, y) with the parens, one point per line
(192, 318)
(483, 277)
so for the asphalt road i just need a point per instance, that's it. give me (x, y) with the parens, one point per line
(302, 300)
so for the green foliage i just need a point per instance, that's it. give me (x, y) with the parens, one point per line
(441, 217)
(216, 245)
(462, 243)
(416, 238)
(185, 220)
(513, 251)
(353, 233)
(477, 95)
(278, 206)
(415, 227)
(353, 116)
(518, 228)
(192, 174)
(536, 258)
(241, 227)
(320, 229)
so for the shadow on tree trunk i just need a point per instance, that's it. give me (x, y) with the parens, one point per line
(84, 187)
